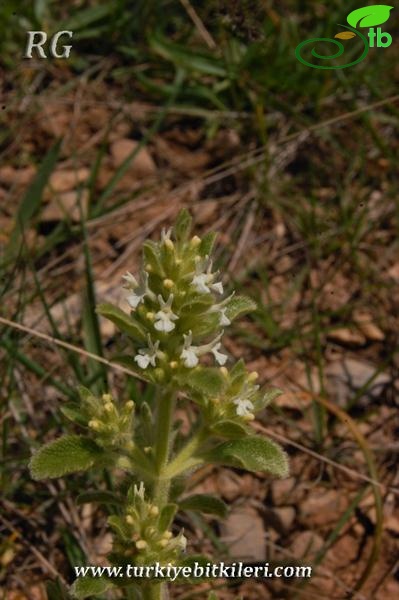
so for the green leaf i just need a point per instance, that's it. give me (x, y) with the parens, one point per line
(67, 454)
(207, 244)
(85, 587)
(182, 227)
(268, 397)
(83, 18)
(32, 200)
(206, 380)
(204, 503)
(56, 590)
(212, 596)
(188, 60)
(167, 515)
(369, 16)
(102, 497)
(119, 526)
(253, 454)
(74, 414)
(229, 429)
(122, 320)
(239, 305)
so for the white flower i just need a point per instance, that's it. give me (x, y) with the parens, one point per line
(147, 356)
(219, 357)
(182, 542)
(224, 319)
(189, 352)
(203, 282)
(139, 290)
(165, 234)
(139, 490)
(244, 406)
(165, 316)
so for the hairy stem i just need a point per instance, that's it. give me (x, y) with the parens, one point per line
(164, 420)
(163, 429)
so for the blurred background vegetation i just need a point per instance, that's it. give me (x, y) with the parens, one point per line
(170, 103)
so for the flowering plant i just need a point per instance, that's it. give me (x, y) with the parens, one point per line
(176, 326)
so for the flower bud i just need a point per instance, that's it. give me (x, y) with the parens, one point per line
(141, 545)
(130, 520)
(159, 374)
(154, 511)
(168, 283)
(195, 241)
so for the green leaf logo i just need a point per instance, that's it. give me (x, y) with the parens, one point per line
(369, 16)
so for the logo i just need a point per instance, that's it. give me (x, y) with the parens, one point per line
(367, 17)
(32, 44)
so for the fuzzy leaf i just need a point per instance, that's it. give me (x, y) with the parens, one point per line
(182, 227)
(125, 323)
(253, 454)
(207, 244)
(369, 16)
(85, 587)
(204, 503)
(167, 515)
(205, 380)
(67, 454)
(151, 256)
(74, 414)
(268, 397)
(229, 429)
(239, 305)
(119, 526)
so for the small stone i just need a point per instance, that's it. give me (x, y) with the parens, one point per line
(243, 532)
(66, 206)
(142, 164)
(282, 490)
(66, 180)
(306, 544)
(286, 516)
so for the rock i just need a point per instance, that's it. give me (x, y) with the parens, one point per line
(344, 378)
(243, 532)
(228, 485)
(66, 206)
(142, 164)
(66, 180)
(286, 516)
(11, 176)
(366, 324)
(282, 490)
(321, 507)
(306, 544)
(348, 336)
